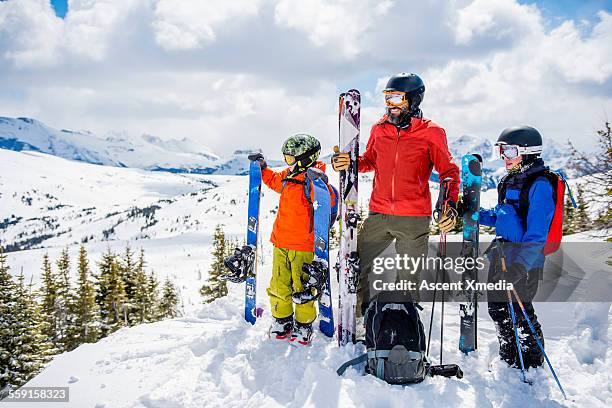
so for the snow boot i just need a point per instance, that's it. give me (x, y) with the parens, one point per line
(281, 328)
(302, 334)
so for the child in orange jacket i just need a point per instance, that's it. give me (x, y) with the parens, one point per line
(292, 237)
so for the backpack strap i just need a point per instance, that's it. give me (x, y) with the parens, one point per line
(357, 360)
(307, 190)
(552, 178)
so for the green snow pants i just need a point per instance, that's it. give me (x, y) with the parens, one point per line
(286, 280)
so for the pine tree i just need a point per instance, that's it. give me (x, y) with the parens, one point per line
(168, 306)
(128, 273)
(582, 222)
(64, 304)
(141, 307)
(24, 348)
(111, 294)
(48, 296)
(152, 314)
(87, 324)
(216, 287)
(8, 297)
(568, 216)
(31, 350)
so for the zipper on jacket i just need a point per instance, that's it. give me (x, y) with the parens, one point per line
(393, 174)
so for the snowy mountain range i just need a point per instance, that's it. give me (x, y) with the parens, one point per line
(149, 152)
(118, 149)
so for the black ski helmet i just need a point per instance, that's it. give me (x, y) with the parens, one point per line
(525, 136)
(414, 88)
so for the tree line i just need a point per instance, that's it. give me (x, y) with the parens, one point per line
(60, 314)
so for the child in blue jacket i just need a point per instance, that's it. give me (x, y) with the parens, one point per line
(522, 218)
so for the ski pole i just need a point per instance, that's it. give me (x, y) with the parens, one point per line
(502, 261)
(441, 208)
(552, 370)
(535, 334)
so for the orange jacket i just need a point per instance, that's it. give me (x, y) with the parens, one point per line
(402, 161)
(293, 220)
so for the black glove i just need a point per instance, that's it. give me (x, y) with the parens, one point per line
(516, 274)
(460, 208)
(260, 158)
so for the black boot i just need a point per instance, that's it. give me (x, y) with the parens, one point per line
(532, 355)
(505, 333)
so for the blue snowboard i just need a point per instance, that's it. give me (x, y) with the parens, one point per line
(322, 212)
(250, 294)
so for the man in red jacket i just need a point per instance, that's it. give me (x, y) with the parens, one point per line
(403, 149)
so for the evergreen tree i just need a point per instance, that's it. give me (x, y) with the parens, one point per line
(64, 304)
(568, 216)
(168, 306)
(24, 348)
(582, 222)
(48, 295)
(128, 273)
(216, 287)
(31, 350)
(141, 308)
(8, 296)
(111, 294)
(87, 324)
(152, 314)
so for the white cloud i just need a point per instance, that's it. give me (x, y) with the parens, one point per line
(189, 24)
(29, 32)
(499, 20)
(250, 73)
(339, 24)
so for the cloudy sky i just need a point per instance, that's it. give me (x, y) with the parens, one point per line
(248, 73)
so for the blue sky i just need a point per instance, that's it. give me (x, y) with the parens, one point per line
(61, 7)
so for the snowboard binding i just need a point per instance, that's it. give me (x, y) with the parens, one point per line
(312, 283)
(240, 264)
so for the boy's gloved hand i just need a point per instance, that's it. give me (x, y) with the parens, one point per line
(260, 158)
(340, 161)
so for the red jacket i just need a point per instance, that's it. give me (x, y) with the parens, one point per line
(402, 161)
(292, 225)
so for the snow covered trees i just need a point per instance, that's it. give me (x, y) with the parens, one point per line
(24, 348)
(61, 315)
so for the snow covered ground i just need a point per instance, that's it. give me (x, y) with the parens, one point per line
(211, 357)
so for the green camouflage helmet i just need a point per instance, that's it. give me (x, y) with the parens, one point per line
(304, 148)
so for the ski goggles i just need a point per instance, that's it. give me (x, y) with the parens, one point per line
(509, 152)
(289, 159)
(395, 99)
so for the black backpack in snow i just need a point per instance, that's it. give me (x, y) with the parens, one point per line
(395, 341)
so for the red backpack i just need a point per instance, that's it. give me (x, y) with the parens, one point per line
(559, 182)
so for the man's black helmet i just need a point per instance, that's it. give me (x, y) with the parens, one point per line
(414, 88)
(520, 136)
(403, 82)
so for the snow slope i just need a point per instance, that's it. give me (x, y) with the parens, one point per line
(211, 357)
(215, 359)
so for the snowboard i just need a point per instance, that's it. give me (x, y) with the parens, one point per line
(471, 179)
(322, 213)
(348, 259)
(250, 291)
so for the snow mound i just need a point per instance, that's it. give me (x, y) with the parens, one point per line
(216, 359)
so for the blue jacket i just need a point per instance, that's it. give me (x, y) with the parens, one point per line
(531, 234)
